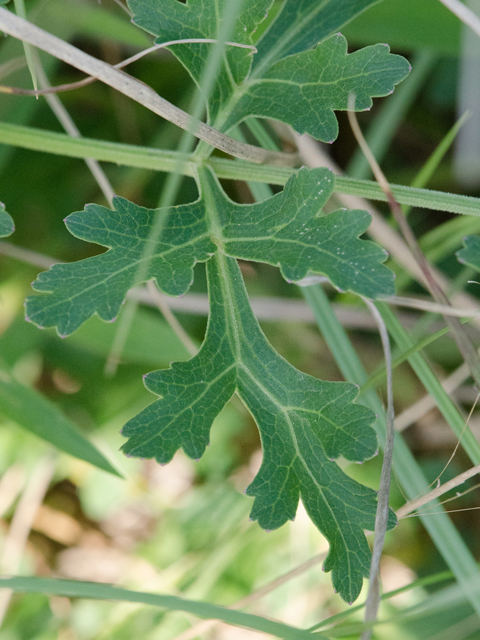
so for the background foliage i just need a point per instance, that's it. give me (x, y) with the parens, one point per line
(183, 529)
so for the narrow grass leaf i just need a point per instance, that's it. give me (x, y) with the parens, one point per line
(165, 160)
(90, 590)
(440, 528)
(33, 412)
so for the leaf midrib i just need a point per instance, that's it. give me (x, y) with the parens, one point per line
(286, 39)
(298, 454)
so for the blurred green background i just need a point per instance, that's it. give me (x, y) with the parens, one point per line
(184, 528)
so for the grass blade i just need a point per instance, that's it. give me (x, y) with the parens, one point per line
(433, 386)
(78, 589)
(159, 160)
(34, 412)
(440, 528)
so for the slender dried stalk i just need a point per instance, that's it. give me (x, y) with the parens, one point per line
(136, 90)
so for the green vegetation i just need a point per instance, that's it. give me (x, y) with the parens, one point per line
(211, 202)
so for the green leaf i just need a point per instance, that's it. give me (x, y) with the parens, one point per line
(7, 227)
(285, 230)
(470, 254)
(172, 20)
(100, 284)
(80, 589)
(304, 424)
(32, 411)
(303, 90)
(301, 24)
(289, 230)
(289, 83)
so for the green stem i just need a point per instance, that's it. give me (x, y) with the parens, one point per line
(160, 160)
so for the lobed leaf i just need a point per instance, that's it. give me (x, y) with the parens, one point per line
(99, 284)
(304, 424)
(302, 24)
(287, 230)
(172, 20)
(7, 226)
(304, 90)
(289, 81)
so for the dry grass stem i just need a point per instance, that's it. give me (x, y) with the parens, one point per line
(136, 90)
(21, 524)
(414, 505)
(466, 15)
(160, 301)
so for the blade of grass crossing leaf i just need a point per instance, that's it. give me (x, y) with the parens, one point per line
(259, 190)
(444, 535)
(162, 160)
(446, 406)
(385, 125)
(32, 411)
(172, 184)
(21, 11)
(79, 589)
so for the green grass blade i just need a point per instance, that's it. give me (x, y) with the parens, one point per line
(32, 411)
(443, 533)
(423, 198)
(159, 160)
(378, 377)
(78, 589)
(432, 385)
(22, 13)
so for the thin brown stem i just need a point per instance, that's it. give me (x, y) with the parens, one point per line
(160, 301)
(137, 91)
(464, 344)
(436, 493)
(70, 86)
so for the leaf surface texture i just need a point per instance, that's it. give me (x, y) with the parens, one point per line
(304, 424)
(287, 230)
